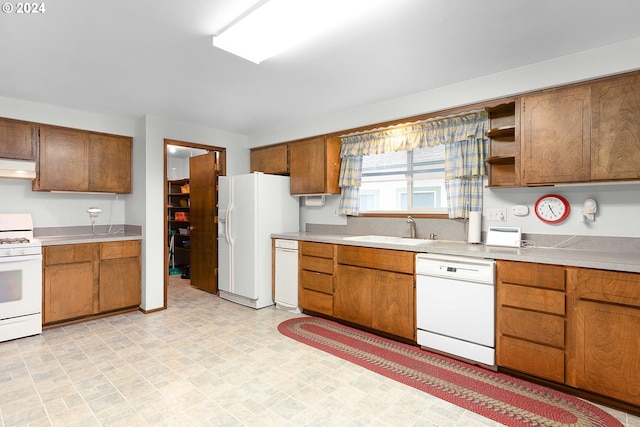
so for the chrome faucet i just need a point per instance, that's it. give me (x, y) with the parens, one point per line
(412, 223)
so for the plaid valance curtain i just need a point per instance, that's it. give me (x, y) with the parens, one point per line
(465, 150)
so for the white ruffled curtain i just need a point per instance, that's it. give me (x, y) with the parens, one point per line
(465, 154)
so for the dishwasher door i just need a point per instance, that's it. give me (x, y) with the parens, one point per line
(455, 307)
(286, 275)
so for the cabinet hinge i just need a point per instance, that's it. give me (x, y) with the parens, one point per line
(215, 271)
(524, 107)
(215, 219)
(217, 167)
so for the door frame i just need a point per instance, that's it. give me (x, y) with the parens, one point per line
(222, 161)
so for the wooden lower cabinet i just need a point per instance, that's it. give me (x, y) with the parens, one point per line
(573, 326)
(607, 340)
(381, 300)
(68, 282)
(531, 319)
(315, 277)
(120, 272)
(376, 297)
(83, 280)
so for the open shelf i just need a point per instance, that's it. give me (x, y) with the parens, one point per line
(502, 132)
(504, 146)
(498, 160)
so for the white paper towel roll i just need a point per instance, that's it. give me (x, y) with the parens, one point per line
(475, 227)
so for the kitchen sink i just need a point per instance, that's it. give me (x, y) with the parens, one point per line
(371, 238)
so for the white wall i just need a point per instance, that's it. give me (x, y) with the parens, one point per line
(617, 215)
(619, 204)
(49, 209)
(148, 209)
(145, 206)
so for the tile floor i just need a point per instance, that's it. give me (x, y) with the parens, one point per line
(202, 362)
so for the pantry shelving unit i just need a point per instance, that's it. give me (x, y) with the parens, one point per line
(178, 206)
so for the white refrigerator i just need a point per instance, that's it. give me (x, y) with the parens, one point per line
(251, 207)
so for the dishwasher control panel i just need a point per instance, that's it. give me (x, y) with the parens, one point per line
(461, 268)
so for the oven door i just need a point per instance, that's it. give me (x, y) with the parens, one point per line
(20, 286)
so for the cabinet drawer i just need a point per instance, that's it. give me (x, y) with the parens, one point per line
(538, 275)
(539, 327)
(535, 359)
(379, 259)
(68, 254)
(321, 265)
(609, 286)
(124, 249)
(317, 302)
(321, 250)
(316, 281)
(537, 299)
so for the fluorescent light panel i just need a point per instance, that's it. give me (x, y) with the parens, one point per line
(275, 25)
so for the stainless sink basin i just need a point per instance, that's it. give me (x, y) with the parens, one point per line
(390, 239)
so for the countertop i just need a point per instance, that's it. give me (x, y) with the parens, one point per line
(87, 238)
(628, 262)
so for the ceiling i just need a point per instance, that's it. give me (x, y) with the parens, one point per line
(128, 58)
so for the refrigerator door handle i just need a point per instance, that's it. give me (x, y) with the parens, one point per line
(227, 225)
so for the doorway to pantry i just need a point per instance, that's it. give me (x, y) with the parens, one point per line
(191, 172)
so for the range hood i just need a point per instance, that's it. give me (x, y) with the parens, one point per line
(20, 169)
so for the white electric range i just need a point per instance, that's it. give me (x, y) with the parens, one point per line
(20, 278)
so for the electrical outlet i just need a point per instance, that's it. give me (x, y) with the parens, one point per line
(496, 214)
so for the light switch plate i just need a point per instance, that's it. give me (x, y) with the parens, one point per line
(496, 214)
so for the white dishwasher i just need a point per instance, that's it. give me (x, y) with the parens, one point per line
(455, 305)
(287, 275)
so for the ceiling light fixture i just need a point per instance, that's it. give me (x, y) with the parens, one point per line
(271, 26)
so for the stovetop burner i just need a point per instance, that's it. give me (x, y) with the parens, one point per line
(13, 240)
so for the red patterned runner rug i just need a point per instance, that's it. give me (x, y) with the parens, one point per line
(508, 400)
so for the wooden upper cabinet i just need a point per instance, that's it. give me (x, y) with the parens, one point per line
(63, 164)
(315, 166)
(615, 128)
(17, 139)
(109, 163)
(77, 160)
(272, 160)
(555, 134)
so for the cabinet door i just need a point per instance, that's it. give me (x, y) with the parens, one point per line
(392, 304)
(607, 321)
(120, 275)
(352, 294)
(377, 299)
(608, 350)
(273, 160)
(615, 134)
(68, 291)
(315, 166)
(119, 283)
(63, 163)
(109, 163)
(555, 136)
(17, 139)
(308, 166)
